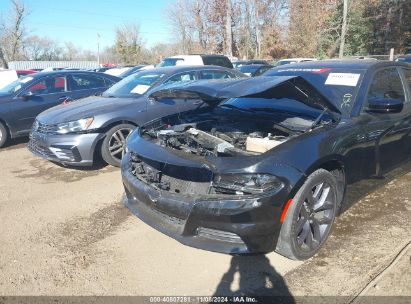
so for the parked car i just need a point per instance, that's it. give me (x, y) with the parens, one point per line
(131, 70)
(201, 59)
(268, 165)
(293, 60)
(74, 134)
(22, 73)
(254, 69)
(239, 63)
(23, 99)
(405, 58)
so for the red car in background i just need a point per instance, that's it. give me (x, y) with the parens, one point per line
(21, 73)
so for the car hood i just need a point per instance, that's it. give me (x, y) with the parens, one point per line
(214, 91)
(87, 107)
(4, 97)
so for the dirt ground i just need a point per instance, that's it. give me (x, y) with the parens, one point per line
(65, 232)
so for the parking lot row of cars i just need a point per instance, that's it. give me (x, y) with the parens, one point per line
(219, 160)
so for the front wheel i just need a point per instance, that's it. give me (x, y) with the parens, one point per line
(310, 217)
(3, 135)
(113, 147)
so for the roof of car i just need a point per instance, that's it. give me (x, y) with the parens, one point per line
(348, 63)
(60, 72)
(183, 68)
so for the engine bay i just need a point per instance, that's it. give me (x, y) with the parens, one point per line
(223, 137)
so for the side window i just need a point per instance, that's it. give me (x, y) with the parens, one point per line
(407, 74)
(108, 82)
(49, 85)
(183, 77)
(387, 84)
(216, 75)
(84, 82)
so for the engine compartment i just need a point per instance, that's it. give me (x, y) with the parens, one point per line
(223, 138)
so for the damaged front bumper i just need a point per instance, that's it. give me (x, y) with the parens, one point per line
(228, 224)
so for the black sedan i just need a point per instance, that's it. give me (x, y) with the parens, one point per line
(22, 100)
(254, 69)
(267, 165)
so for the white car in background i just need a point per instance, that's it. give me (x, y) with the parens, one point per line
(201, 59)
(7, 77)
(294, 60)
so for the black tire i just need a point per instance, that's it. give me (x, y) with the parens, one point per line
(114, 144)
(310, 217)
(4, 135)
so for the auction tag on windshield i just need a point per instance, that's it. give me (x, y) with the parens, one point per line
(140, 89)
(343, 79)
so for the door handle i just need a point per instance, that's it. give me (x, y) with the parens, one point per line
(65, 99)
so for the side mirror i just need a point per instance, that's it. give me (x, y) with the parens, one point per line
(385, 105)
(26, 96)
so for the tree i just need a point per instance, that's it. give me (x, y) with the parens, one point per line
(128, 44)
(12, 33)
(343, 28)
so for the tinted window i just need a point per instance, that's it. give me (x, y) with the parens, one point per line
(183, 77)
(83, 82)
(217, 60)
(407, 74)
(215, 75)
(49, 85)
(109, 82)
(386, 84)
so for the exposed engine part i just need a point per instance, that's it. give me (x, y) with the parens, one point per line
(262, 145)
(222, 138)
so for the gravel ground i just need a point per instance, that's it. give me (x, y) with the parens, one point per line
(65, 232)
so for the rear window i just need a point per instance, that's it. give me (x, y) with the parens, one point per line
(339, 86)
(169, 62)
(217, 60)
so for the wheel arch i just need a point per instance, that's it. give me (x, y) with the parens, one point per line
(6, 125)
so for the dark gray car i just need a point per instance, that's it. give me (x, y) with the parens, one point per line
(74, 133)
(22, 100)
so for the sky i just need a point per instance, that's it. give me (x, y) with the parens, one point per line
(79, 21)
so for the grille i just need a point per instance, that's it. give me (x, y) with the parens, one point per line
(218, 235)
(43, 127)
(161, 181)
(36, 148)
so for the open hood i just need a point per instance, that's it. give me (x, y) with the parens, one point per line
(214, 91)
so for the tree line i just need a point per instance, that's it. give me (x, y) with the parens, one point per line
(270, 29)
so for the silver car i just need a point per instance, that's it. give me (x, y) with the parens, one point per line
(78, 132)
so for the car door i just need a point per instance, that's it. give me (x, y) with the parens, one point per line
(83, 85)
(163, 107)
(45, 93)
(390, 132)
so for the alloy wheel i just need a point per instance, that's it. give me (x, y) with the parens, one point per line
(315, 216)
(117, 143)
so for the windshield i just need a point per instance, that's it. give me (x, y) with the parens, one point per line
(339, 85)
(169, 62)
(282, 62)
(16, 85)
(135, 84)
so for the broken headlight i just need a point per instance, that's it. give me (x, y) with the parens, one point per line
(241, 184)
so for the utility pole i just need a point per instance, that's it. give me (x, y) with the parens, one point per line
(98, 48)
(229, 34)
(343, 29)
(257, 29)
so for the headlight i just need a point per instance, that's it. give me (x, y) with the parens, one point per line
(74, 126)
(246, 183)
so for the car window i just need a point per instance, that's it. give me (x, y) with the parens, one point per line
(216, 75)
(220, 61)
(49, 85)
(407, 74)
(183, 77)
(386, 84)
(84, 82)
(108, 82)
